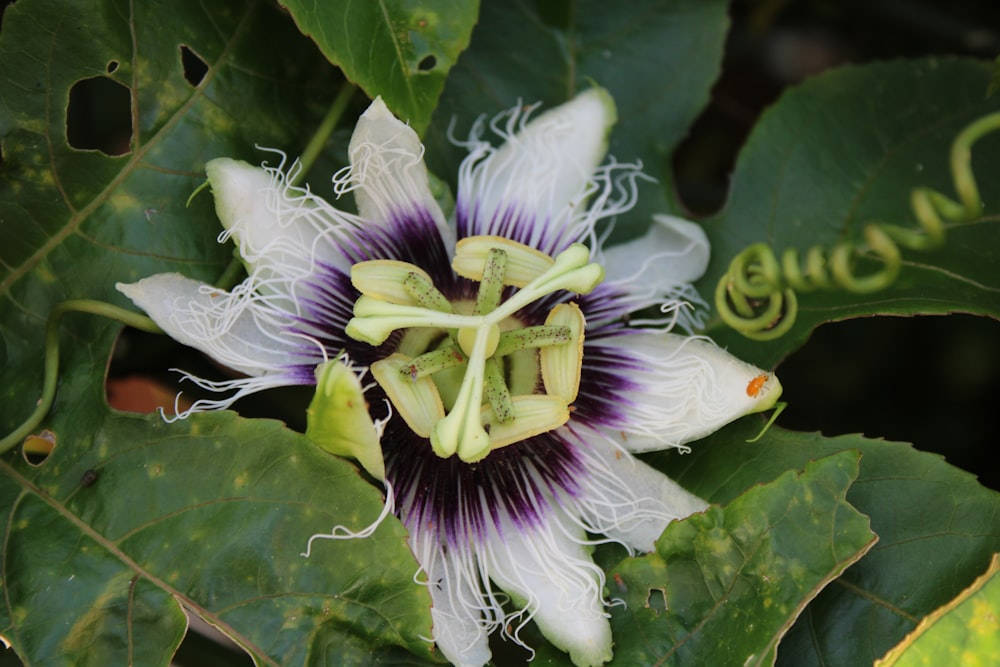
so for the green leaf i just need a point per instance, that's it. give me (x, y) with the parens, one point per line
(847, 148)
(78, 221)
(210, 515)
(965, 631)
(752, 564)
(937, 530)
(399, 49)
(657, 59)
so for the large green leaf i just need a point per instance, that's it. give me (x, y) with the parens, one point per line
(965, 631)
(937, 529)
(658, 59)
(76, 221)
(846, 148)
(399, 49)
(209, 515)
(724, 586)
(753, 565)
(105, 544)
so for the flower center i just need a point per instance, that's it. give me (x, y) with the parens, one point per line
(465, 373)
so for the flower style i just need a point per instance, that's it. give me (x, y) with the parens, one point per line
(507, 385)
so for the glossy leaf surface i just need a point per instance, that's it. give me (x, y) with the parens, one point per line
(964, 631)
(845, 149)
(130, 521)
(937, 530)
(753, 565)
(657, 59)
(399, 49)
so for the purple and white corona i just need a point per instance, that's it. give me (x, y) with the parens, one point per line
(486, 368)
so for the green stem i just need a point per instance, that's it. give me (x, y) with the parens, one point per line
(778, 409)
(51, 375)
(319, 138)
(231, 275)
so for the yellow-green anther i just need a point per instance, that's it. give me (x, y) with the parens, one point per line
(531, 337)
(497, 394)
(417, 401)
(524, 263)
(338, 419)
(561, 364)
(420, 288)
(384, 279)
(533, 415)
(431, 362)
(491, 286)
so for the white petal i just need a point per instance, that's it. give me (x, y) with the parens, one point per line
(460, 629)
(673, 252)
(627, 500)
(657, 270)
(387, 174)
(237, 329)
(542, 176)
(685, 388)
(549, 571)
(279, 229)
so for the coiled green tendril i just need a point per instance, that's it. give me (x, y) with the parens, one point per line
(757, 295)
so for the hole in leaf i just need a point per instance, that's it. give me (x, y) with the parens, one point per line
(112, 66)
(205, 645)
(138, 380)
(427, 64)
(657, 600)
(143, 394)
(195, 68)
(142, 378)
(36, 448)
(99, 116)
